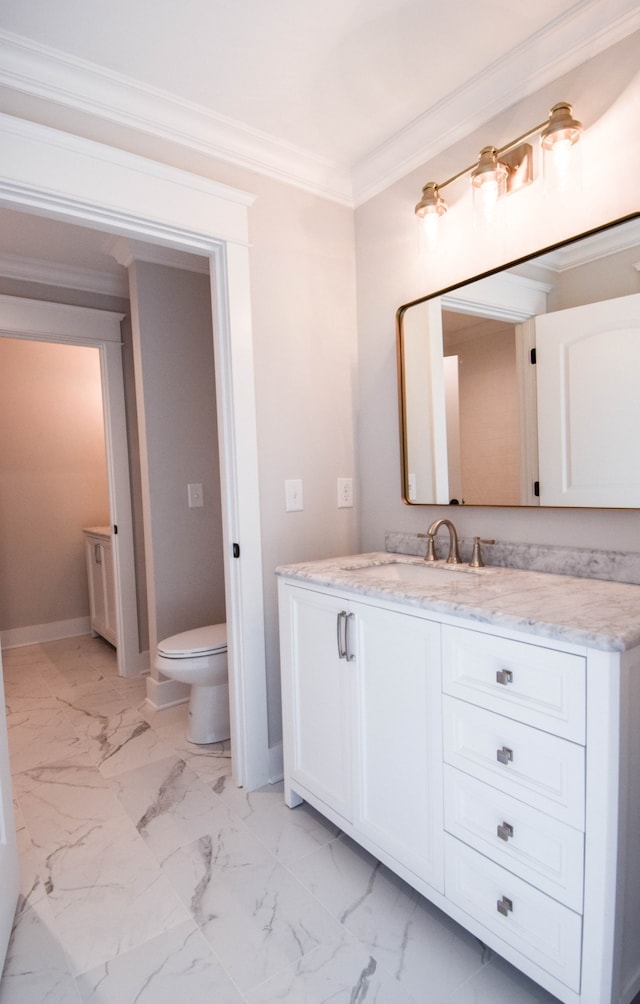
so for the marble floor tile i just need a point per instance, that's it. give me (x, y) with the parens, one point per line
(148, 876)
(39, 732)
(332, 973)
(288, 833)
(498, 981)
(414, 941)
(36, 968)
(168, 804)
(103, 886)
(255, 915)
(121, 741)
(174, 967)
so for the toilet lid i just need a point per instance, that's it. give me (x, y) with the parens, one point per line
(198, 641)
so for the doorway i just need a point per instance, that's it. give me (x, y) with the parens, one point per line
(60, 176)
(55, 485)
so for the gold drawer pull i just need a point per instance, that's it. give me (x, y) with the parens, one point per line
(505, 906)
(504, 676)
(505, 755)
(505, 831)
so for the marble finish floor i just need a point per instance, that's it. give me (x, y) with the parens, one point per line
(148, 877)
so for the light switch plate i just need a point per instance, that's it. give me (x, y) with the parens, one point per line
(293, 499)
(345, 493)
(195, 496)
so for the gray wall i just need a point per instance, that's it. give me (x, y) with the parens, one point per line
(173, 350)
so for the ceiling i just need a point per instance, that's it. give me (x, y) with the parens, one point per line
(340, 97)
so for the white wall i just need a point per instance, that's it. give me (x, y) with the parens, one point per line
(605, 93)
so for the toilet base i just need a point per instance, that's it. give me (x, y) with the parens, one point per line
(209, 714)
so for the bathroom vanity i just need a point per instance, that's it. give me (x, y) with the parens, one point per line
(477, 730)
(102, 595)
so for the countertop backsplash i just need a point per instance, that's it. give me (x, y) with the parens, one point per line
(583, 562)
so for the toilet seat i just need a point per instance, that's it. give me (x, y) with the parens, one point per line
(195, 643)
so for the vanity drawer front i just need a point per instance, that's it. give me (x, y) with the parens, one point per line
(535, 767)
(530, 683)
(543, 930)
(540, 849)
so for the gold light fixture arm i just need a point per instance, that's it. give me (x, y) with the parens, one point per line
(559, 126)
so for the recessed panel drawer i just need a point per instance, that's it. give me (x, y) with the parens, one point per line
(535, 767)
(530, 683)
(538, 848)
(543, 930)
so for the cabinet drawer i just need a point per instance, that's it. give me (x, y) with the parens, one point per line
(543, 930)
(535, 767)
(540, 849)
(530, 683)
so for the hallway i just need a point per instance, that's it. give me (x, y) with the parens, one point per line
(148, 877)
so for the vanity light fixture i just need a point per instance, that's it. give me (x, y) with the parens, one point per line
(499, 171)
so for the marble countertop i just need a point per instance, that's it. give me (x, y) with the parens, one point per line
(591, 612)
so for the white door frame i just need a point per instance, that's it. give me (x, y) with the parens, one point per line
(9, 873)
(60, 176)
(40, 320)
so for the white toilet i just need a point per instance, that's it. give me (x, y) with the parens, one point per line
(199, 657)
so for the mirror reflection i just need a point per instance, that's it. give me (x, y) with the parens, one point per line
(521, 387)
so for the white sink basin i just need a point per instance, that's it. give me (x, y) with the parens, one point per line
(414, 574)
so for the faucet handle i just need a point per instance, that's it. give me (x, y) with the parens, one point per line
(431, 551)
(476, 556)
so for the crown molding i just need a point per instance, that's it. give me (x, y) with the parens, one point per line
(599, 245)
(51, 75)
(52, 273)
(126, 252)
(585, 30)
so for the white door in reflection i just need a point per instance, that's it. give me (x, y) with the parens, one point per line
(588, 361)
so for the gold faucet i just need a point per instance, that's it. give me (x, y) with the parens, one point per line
(454, 553)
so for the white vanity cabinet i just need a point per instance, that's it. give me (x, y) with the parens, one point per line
(497, 771)
(362, 725)
(102, 598)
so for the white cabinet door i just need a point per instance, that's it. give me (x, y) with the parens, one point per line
(318, 690)
(399, 738)
(588, 360)
(9, 879)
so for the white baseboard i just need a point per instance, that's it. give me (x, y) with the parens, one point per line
(163, 694)
(34, 634)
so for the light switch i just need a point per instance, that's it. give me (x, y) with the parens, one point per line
(293, 495)
(196, 498)
(345, 493)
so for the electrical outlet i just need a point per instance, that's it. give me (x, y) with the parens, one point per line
(293, 500)
(345, 493)
(195, 496)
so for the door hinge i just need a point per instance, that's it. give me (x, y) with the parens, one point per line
(115, 527)
(533, 357)
(536, 489)
(236, 550)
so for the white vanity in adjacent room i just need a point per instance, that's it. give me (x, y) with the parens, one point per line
(478, 731)
(102, 593)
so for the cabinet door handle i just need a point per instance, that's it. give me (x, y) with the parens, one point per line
(97, 552)
(350, 656)
(505, 906)
(505, 831)
(341, 633)
(505, 755)
(504, 676)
